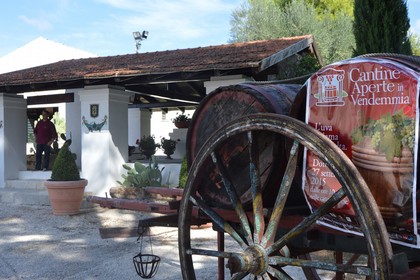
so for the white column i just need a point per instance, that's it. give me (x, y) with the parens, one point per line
(133, 126)
(138, 124)
(104, 149)
(145, 124)
(13, 134)
(181, 135)
(73, 128)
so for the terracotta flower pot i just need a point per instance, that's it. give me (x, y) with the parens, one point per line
(66, 196)
(182, 124)
(168, 153)
(148, 152)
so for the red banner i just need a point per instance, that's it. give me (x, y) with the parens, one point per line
(368, 107)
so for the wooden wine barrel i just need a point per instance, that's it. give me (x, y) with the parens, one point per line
(226, 104)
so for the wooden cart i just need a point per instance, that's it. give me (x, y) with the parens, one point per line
(246, 150)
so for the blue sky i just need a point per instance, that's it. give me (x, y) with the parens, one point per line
(105, 27)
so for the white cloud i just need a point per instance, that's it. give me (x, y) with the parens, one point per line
(185, 19)
(40, 24)
(171, 24)
(156, 5)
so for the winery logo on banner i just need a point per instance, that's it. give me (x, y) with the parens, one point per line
(330, 88)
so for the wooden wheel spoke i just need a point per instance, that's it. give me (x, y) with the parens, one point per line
(265, 276)
(219, 221)
(278, 273)
(308, 221)
(345, 268)
(281, 196)
(257, 204)
(239, 276)
(233, 196)
(353, 259)
(227, 184)
(211, 253)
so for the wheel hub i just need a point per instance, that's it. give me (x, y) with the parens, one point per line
(254, 260)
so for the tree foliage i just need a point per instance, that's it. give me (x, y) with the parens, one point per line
(269, 19)
(334, 8)
(325, 7)
(415, 44)
(381, 26)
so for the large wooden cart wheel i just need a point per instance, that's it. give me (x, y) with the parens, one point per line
(259, 235)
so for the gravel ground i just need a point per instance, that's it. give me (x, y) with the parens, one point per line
(35, 244)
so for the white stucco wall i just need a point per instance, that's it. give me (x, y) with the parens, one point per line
(162, 126)
(105, 151)
(134, 117)
(216, 82)
(73, 127)
(12, 137)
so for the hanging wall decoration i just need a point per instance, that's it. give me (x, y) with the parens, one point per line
(94, 110)
(93, 126)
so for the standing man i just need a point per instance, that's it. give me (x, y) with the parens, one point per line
(45, 134)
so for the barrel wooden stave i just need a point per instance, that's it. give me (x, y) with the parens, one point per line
(228, 103)
(225, 105)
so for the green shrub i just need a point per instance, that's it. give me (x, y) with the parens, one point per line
(183, 173)
(65, 168)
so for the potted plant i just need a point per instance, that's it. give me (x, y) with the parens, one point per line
(182, 121)
(168, 146)
(65, 188)
(147, 145)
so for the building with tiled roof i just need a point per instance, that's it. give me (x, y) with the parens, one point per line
(141, 82)
(165, 75)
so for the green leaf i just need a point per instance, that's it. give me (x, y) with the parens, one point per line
(126, 167)
(139, 167)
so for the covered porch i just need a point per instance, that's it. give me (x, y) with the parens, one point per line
(109, 102)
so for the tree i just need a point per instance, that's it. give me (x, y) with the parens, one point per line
(333, 8)
(268, 19)
(381, 26)
(415, 44)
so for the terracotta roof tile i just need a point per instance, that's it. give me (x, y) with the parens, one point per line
(222, 57)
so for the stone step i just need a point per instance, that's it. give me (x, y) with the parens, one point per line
(28, 184)
(21, 196)
(29, 189)
(31, 197)
(38, 175)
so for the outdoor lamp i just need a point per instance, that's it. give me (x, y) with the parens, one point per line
(138, 37)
